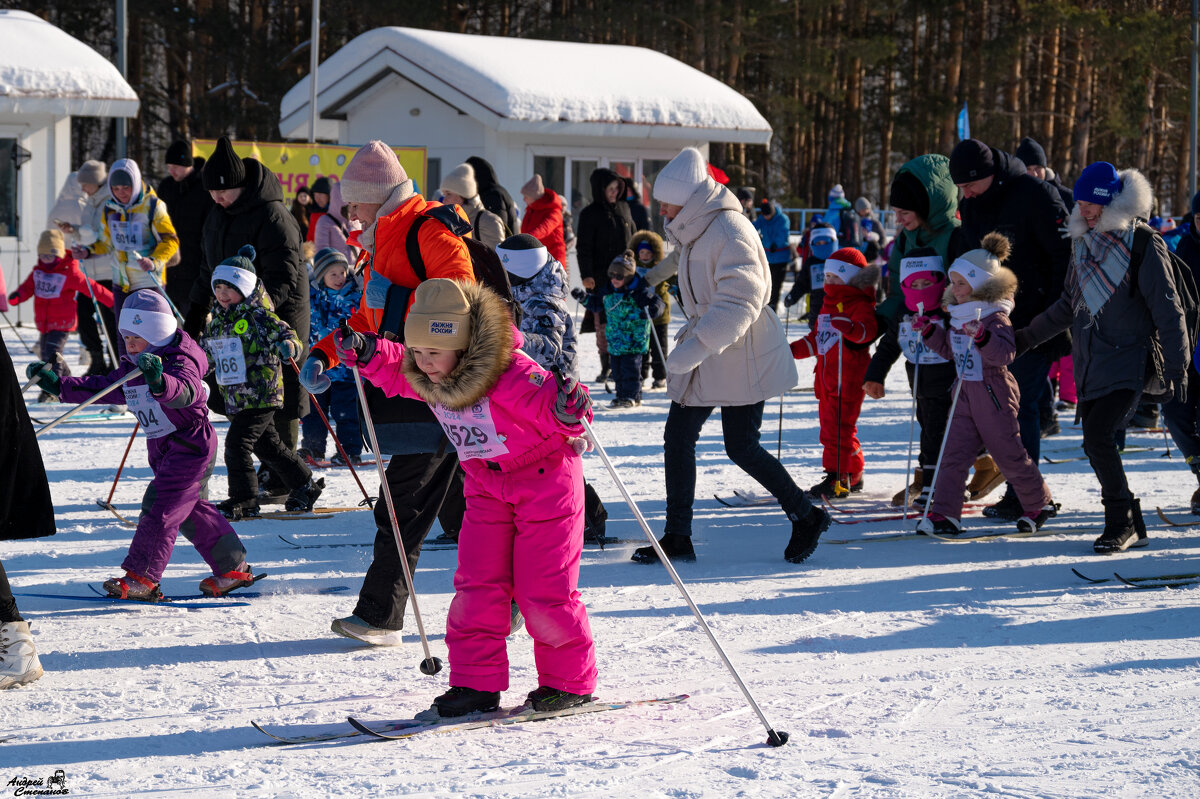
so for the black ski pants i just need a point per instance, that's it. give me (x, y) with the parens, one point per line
(1102, 418)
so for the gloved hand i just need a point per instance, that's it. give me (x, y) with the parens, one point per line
(687, 355)
(573, 402)
(842, 324)
(579, 294)
(801, 349)
(12, 298)
(353, 347)
(376, 292)
(81, 252)
(793, 296)
(1178, 383)
(146, 264)
(974, 330)
(151, 367)
(289, 349)
(311, 376)
(47, 380)
(920, 322)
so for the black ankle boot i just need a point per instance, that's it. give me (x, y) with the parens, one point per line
(1119, 532)
(459, 701)
(805, 532)
(678, 548)
(1139, 525)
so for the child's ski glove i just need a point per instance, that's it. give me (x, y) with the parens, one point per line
(289, 349)
(573, 402)
(311, 376)
(47, 380)
(353, 347)
(151, 367)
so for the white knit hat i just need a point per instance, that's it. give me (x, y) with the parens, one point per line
(461, 181)
(920, 264)
(680, 178)
(147, 314)
(522, 255)
(975, 267)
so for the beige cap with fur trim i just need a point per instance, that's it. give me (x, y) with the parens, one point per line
(440, 316)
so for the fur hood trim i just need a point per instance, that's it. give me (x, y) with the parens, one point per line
(1000, 286)
(655, 241)
(867, 278)
(1133, 202)
(481, 364)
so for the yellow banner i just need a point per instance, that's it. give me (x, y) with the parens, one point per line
(301, 164)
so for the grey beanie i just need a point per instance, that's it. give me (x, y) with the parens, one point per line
(93, 172)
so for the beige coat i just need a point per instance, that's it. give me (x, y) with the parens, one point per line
(724, 284)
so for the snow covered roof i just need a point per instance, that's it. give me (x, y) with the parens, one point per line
(43, 70)
(535, 85)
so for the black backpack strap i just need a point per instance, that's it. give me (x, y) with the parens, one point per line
(1137, 253)
(412, 248)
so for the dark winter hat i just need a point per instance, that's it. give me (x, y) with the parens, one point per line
(238, 271)
(909, 193)
(971, 160)
(180, 153)
(623, 266)
(1099, 183)
(1196, 204)
(745, 193)
(321, 185)
(120, 177)
(766, 206)
(325, 259)
(522, 255)
(224, 169)
(1031, 153)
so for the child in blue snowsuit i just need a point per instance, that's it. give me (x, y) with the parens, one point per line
(335, 296)
(630, 303)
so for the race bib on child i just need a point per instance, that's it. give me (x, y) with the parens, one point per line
(148, 411)
(48, 285)
(966, 357)
(816, 276)
(229, 361)
(827, 334)
(914, 346)
(472, 430)
(126, 236)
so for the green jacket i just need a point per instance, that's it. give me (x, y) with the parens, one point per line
(243, 341)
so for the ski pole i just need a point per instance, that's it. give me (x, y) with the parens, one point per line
(662, 358)
(163, 291)
(17, 333)
(92, 399)
(32, 382)
(912, 419)
(787, 321)
(961, 364)
(108, 345)
(773, 738)
(430, 665)
(107, 504)
(838, 488)
(317, 407)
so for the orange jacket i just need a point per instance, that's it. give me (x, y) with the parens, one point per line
(444, 253)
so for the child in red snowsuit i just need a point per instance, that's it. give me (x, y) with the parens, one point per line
(841, 340)
(53, 284)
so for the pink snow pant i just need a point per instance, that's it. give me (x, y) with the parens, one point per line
(521, 539)
(1064, 370)
(979, 423)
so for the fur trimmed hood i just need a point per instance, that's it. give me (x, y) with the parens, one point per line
(867, 278)
(1000, 286)
(1133, 202)
(654, 240)
(486, 358)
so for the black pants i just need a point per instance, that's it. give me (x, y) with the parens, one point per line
(1102, 419)
(418, 484)
(252, 432)
(454, 507)
(8, 605)
(89, 331)
(778, 271)
(654, 363)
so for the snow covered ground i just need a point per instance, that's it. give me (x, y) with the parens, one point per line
(911, 668)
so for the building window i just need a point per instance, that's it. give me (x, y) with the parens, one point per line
(8, 189)
(552, 168)
(433, 173)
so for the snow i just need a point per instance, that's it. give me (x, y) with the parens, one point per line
(45, 70)
(503, 78)
(914, 668)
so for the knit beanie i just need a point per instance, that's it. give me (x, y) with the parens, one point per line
(862, 205)
(93, 172)
(321, 186)
(461, 181)
(623, 266)
(837, 193)
(909, 194)
(147, 314)
(180, 153)
(325, 259)
(238, 271)
(51, 243)
(522, 255)
(372, 174)
(822, 241)
(744, 193)
(1030, 152)
(534, 189)
(440, 316)
(223, 169)
(971, 160)
(1099, 183)
(921, 262)
(845, 263)
(680, 178)
(977, 266)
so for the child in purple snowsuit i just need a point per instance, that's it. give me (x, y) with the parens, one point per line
(981, 343)
(169, 402)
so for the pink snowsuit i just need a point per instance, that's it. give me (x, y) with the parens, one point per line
(522, 533)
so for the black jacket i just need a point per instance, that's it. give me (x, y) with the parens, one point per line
(188, 204)
(604, 229)
(494, 197)
(25, 507)
(260, 218)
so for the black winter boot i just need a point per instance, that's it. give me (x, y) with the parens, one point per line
(302, 499)
(1008, 508)
(1119, 532)
(459, 701)
(547, 698)
(1139, 525)
(605, 372)
(805, 533)
(678, 548)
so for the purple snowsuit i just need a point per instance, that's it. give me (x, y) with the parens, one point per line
(182, 460)
(985, 416)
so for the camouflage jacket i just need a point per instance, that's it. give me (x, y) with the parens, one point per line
(546, 323)
(242, 342)
(329, 309)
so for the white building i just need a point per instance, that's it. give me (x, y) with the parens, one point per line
(46, 77)
(560, 109)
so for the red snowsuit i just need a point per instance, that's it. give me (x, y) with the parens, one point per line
(53, 288)
(847, 325)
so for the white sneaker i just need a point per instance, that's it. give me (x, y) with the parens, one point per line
(354, 627)
(19, 662)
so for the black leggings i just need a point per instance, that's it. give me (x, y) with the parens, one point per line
(1103, 418)
(8, 605)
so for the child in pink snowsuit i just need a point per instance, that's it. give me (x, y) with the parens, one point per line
(517, 435)
(981, 343)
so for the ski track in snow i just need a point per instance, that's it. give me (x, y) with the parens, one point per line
(899, 669)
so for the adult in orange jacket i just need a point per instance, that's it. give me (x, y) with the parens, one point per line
(381, 196)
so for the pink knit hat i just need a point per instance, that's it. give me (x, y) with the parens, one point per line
(373, 173)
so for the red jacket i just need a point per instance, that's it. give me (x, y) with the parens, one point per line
(53, 287)
(544, 221)
(852, 312)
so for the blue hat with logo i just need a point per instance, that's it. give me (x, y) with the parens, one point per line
(1099, 184)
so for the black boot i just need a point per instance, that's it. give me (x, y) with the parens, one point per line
(547, 698)
(678, 548)
(1119, 532)
(98, 365)
(1139, 525)
(605, 372)
(302, 499)
(238, 508)
(459, 701)
(1008, 508)
(805, 532)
